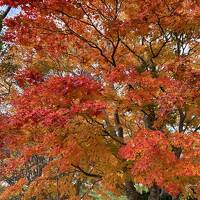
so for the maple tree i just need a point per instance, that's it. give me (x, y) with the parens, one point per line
(106, 97)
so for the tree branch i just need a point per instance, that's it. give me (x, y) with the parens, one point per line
(86, 173)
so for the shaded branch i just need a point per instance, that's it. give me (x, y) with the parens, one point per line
(4, 15)
(134, 53)
(86, 173)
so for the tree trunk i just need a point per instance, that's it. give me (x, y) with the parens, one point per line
(154, 193)
(131, 192)
(164, 195)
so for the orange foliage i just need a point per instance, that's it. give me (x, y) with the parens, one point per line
(107, 93)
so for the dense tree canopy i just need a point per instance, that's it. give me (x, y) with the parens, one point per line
(105, 96)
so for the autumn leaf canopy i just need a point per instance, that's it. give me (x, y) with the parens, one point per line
(100, 96)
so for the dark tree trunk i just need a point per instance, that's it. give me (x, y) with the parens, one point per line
(164, 195)
(131, 192)
(154, 193)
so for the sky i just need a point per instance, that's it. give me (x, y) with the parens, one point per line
(13, 12)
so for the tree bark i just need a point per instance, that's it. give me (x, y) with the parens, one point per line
(118, 126)
(164, 195)
(3, 16)
(130, 191)
(154, 193)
